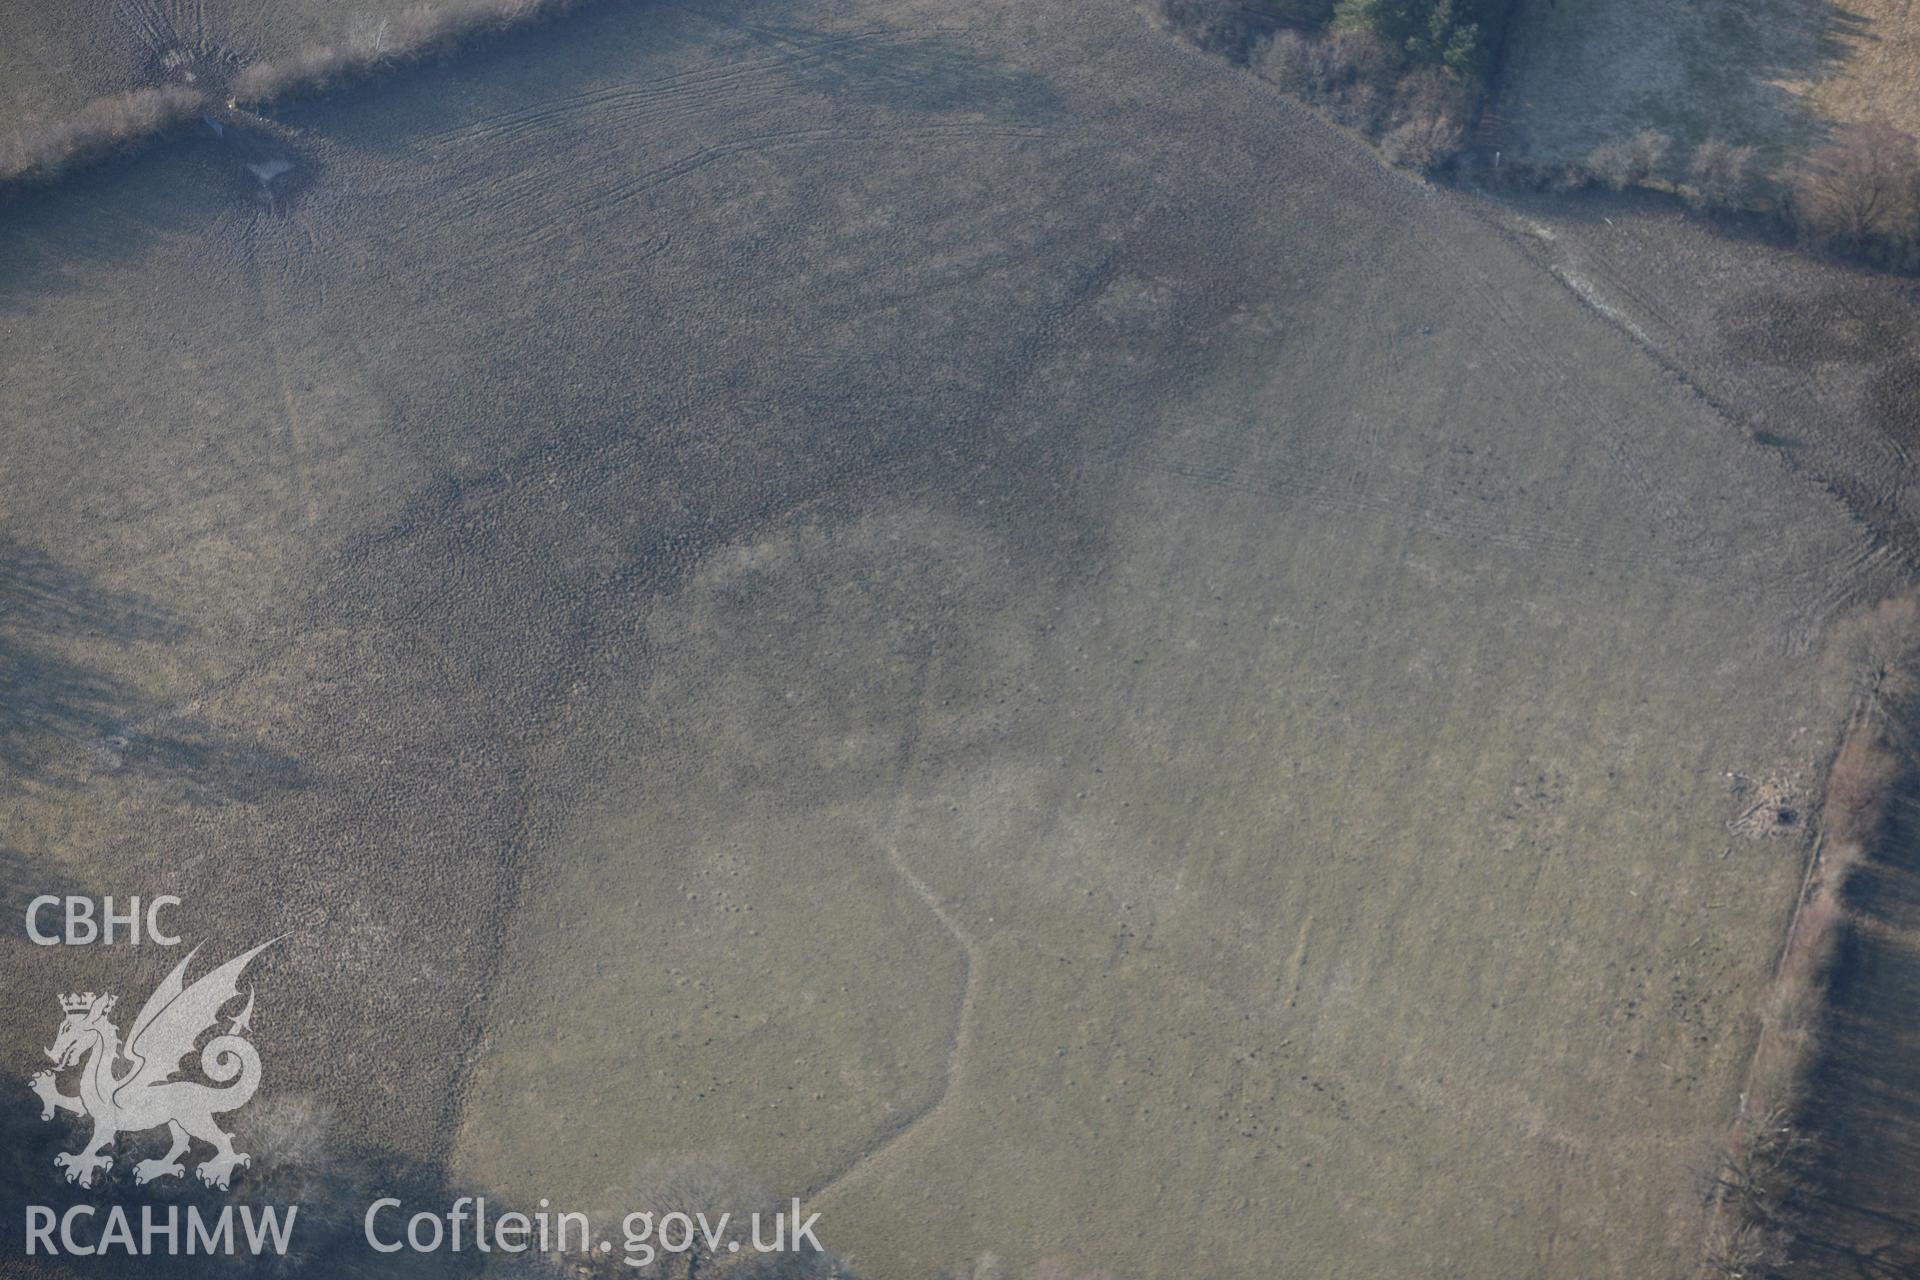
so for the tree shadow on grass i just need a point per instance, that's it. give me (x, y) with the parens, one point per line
(1860, 1212)
(55, 235)
(65, 721)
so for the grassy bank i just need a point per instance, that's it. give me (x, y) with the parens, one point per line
(424, 31)
(112, 125)
(104, 126)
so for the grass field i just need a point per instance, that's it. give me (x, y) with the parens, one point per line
(1815, 361)
(1773, 75)
(956, 612)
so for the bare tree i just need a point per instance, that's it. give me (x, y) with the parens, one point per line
(1721, 174)
(1569, 178)
(1220, 26)
(1630, 161)
(1649, 149)
(1329, 68)
(1753, 1174)
(1423, 142)
(1744, 1252)
(683, 1190)
(1285, 60)
(1610, 163)
(1860, 186)
(1432, 91)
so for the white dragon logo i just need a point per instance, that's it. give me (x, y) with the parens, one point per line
(146, 1096)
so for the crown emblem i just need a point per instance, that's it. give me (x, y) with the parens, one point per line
(80, 1003)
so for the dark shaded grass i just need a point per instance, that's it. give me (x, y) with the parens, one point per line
(63, 720)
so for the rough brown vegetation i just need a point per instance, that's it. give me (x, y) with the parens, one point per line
(423, 31)
(1721, 175)
(1349, 75)
(1630, 161)
(1743, 1252)
(1218, 26)
(1415, 116)
(1423, 142)
(105, 125)
(109, 124)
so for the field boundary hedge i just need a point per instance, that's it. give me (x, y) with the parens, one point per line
(1755, 1176)
(120, 123)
